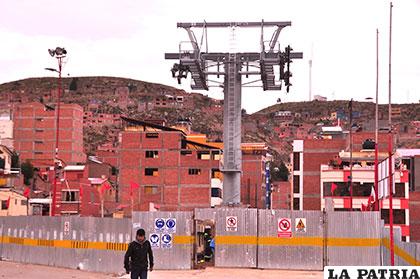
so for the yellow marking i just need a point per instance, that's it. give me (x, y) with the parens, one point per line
(183, 239)
(293, 241)
(400, 252)
(235, 240)
(351, 242)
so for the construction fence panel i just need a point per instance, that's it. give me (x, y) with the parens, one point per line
(385, 243)
(417, 253)
(236, 237)
(302, 248)
(353, 238)
(171, 236)
(205, 214)
(1, 237)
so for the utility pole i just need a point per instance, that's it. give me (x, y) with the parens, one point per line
(376, 124)
(351, 153)
(198, 61)
(59, 53)
(391, 216)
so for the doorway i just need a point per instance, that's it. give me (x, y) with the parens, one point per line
(204, 246)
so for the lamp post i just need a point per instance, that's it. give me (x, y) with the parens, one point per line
(58, 53)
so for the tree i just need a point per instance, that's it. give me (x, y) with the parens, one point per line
(279, 172)
(27, 170)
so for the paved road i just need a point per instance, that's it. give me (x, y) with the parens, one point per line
(24, 271)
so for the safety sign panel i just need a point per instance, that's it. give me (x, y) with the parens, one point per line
(300, 225)
(66, 228)
(159, 224)
(171, 225)
(154, 240)
(284, 227)
(166, 240)
(232, 223)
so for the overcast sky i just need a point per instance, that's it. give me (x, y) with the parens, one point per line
(128, 38)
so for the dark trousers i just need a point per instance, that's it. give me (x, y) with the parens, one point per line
(135, 274)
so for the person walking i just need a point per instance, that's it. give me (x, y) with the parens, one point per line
(135, 259)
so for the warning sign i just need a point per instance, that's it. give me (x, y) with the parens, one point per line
(284, 227)
(66, 227)
(300, 225)
(232, 223)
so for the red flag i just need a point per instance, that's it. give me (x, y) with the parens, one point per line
(27, 192)
(8, 203)
(80, 192)
(364, 207)
(333, 188)
(133, 186)
(104, 187)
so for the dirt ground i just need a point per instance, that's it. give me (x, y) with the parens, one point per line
(25, 271)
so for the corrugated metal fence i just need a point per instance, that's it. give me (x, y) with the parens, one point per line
(173, 232)
(352, 234)
(86, 243)
(236, 244)
(247, 238)
(301, 249)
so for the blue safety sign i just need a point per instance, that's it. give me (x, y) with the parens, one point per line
(159, 224)
(154, 240)
(166, 240)
(171, 225)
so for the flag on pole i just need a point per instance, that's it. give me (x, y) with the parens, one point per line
(104, 187)
(333, 188)
(133, 186)
(80, 192)
(27, 192)
(364, 207)
(8, 203)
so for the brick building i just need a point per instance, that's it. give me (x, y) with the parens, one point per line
(97, 120)
(78, 192)
(309, 154)
(363, 182)
(411, 159)
(174, 170)
(35, 129)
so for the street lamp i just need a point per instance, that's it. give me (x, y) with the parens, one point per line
(59, 53)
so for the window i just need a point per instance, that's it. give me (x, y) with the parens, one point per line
(205, 155)
(152, 154)
(194, 171)
(39, 141)
(216, 173)
(216, 193)
(150, 190)
(152, 135)
(4, 205)
(39, 130)
(296, 161)
(399, 216)
(186, 152)
(296, 184)
(23, 202)
(151, 172)
(296, 204)
(399, 190)
(70, 196)
(216, 155)
(38, 152)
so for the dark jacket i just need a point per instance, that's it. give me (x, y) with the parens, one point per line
(136, 256)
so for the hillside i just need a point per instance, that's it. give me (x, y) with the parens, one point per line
(132, 97)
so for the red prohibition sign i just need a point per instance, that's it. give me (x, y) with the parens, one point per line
(284, 225)
(231, 222)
